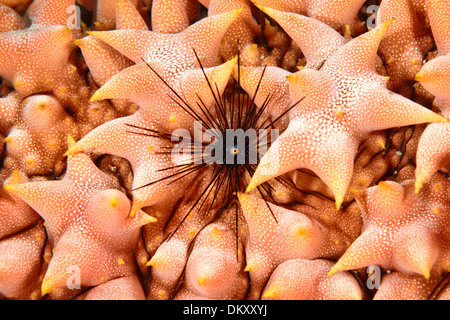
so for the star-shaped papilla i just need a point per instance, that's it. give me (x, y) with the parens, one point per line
(123, 288)
(32, 59)
(402, 231)
(283, 236)
(402, 286)
(21, 263)
(340, 14)
(173, 16)
(115, 137)
(103, 62)
(316, 40)
(405, 43)
(79, 170)
(149, 165)
(214, 269)
(37, 59)
(169, 54)
(433, 150)
(344, 100)
(100, 244)
(87, 222)
(301, 279)
(242, 32)
(15, 215)
(36, 145)
(10, 20)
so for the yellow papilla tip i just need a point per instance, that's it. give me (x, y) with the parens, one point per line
(426, 274)
(348, 31)
(8, 140)
(250, 188)
(70, 141)
(78, 42)
(239, 11)
(269, 294)
(382, 144)
(260, 7)
(340, 113)
(301, 232)
(234, 60)
(253, 46)
(339, 203)
(417, 186)
(95, 97)
(161, 293)
(420, 76)
(98, 25)
(249, 267)
(383, 185)
(387, 23)
(9, 188)
(333, 271)
(291, 77)
(113, 202)
(442, 119)
(151, 263)
(147, 219)
(72, 150)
